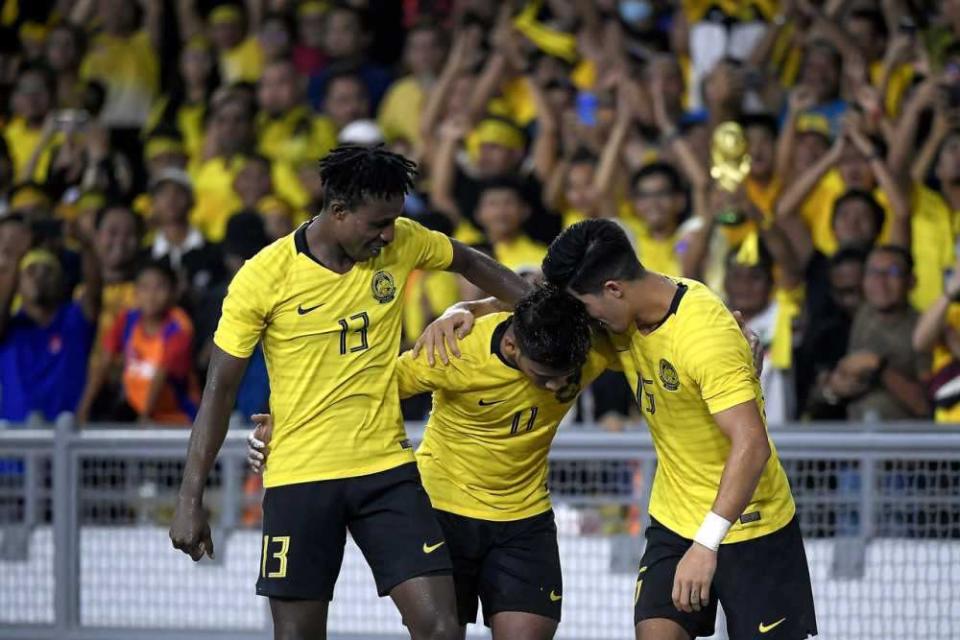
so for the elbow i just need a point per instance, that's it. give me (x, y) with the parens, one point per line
(758, 452)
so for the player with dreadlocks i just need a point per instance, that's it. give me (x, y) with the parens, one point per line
(325, 303)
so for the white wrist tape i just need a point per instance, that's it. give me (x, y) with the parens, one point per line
(712, 531)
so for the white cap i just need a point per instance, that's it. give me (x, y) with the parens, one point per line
(172, 174)
(364, 132)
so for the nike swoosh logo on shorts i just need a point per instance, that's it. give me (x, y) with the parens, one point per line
(430, 548)
(764, 628)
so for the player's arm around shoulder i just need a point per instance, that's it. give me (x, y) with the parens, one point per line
(417, 373)
(505, 287)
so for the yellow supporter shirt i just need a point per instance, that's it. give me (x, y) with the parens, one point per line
(243, 63)
(931, 229)
(696, 364)
(520, 254)
(399, 115)
(290, 140)
(331, 342)
(659, 254)
(21, 143)
(426, 296)
(188, 121)
(129, 69)
(215, 198)
(484, 452)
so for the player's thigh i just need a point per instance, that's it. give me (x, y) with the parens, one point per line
(521, 572)
(660, 629)
(653, 592)
(391, 520)
(304, 532)
(299, 619)
(467, 542)
(514, 625)
(764, 586)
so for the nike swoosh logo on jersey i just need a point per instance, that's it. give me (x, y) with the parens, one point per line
(304, 311)
(430, 548)
(764, 628)
(490, 403)
(554, 597)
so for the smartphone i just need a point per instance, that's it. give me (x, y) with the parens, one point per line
(587, 105)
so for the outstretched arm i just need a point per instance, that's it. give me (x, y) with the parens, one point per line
(190, 531)
(442, 334)
(488, 274)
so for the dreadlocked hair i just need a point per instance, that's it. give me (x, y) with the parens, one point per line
(552, 328)
(352, 174)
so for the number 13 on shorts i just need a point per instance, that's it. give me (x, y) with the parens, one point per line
(280, 546)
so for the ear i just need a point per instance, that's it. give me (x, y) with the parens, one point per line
(510, 347)
(614, 288)
(337, 210)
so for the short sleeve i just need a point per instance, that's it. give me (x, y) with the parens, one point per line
(245, 310)
(430, 250)
(415, 375)
(718, 359)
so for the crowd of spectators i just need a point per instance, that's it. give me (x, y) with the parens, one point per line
(148, 148)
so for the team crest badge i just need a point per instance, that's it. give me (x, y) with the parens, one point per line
(384, 289)
(668, 376)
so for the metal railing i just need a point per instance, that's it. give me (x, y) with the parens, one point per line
(84, 553)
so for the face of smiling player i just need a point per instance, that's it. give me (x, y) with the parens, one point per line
(365, 230)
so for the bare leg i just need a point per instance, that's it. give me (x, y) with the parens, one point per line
(661, 629)
(299, 619)
(518, 625)
(429, 607)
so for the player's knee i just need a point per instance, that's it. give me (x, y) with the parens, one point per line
(443, 627)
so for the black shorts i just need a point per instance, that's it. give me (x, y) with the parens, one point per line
(509, 566)
(763, 585)
(305, 529)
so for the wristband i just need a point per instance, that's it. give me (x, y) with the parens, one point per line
(712, 531)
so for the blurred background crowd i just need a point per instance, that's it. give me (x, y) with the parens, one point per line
(801, 158)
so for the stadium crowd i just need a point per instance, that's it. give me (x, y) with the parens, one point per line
(147, 149)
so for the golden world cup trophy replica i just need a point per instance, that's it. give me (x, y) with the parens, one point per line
(730, 165)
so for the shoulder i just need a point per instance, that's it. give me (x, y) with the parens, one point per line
(700, 304)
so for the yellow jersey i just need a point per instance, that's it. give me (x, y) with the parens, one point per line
(129, 69)
(695, 364)
(331, 342)
(243, 63)
(399, 115)
(520, 254)
(484, 452)
(21, 142)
